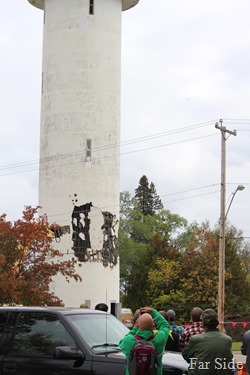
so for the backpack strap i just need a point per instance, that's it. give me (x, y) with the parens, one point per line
(137, 337)
(171, 334)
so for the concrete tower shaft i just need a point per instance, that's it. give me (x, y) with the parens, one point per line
(79, 140)
(126, 4)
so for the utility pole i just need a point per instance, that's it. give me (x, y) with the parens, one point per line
(221, 287)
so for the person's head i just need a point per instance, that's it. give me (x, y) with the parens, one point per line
(196, 314)
(137, 315)
(145, 322)
(170, 315)
(84, 306)
(101, 307)
(210, 319)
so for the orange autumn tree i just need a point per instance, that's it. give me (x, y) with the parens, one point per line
(28, 261)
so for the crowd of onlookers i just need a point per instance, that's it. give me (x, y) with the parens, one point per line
(178, 334)
(207, 349)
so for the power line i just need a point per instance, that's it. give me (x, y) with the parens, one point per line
(193, 196)
(175, 200)
(106, 156)
(187, 191)
(121, 144)
(237, 121)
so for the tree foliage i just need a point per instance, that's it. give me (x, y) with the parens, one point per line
(28, 261)
(141, 239)
(236, 282)
(199, 279)
(167, 263)
(244, 253)
(148, 200)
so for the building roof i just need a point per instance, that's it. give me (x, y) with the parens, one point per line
(126, 4)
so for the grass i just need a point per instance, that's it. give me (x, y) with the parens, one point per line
(236, 346)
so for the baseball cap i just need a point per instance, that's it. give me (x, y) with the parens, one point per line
(209, 315)
(171, 314)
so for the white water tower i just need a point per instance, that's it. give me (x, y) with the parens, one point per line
(79, 140)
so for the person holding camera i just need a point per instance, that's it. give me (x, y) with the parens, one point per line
(144, 330)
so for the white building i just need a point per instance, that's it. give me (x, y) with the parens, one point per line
(79, 140)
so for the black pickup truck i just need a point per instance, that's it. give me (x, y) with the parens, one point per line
(63, 341)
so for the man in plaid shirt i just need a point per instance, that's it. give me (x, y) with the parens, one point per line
(195, 328)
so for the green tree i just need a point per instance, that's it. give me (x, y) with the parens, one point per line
(175, 300)
(244, 253)
(236, 281)
(199, 279)
(162, 278)
(156, 200)
(147, 198)
(200, 270)
(169, 263)
(137, 233)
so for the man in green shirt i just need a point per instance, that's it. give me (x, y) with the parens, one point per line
(144, 328)
(210, 352)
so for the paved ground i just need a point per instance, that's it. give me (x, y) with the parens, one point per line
(239, 357)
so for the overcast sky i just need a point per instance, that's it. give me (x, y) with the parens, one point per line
(185, 65)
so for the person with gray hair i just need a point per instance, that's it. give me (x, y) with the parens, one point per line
(176, 328)
(209, 353)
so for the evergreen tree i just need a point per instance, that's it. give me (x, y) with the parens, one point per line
(137, 233)
(156, 200)
(147, 198)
